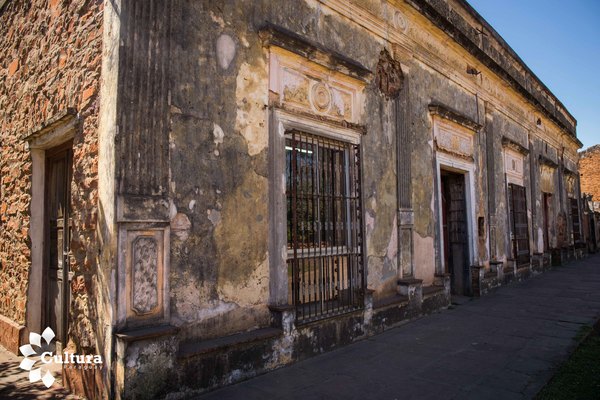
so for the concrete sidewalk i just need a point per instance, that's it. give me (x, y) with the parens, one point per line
(506, 345)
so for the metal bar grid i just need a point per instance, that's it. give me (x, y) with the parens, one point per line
(520, 224)
(324, 226)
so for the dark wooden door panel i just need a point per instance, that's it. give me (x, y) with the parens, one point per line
(58, 180)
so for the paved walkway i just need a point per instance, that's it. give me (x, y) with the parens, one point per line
(15, 385)
(506, 345)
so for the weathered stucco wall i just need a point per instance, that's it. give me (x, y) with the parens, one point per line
(51, 62)
(220, 116)
(219, 276)
(220, 269)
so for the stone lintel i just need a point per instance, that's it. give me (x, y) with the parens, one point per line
(568, 171)
(543, 160)
(139, 208)
(454, 116)
(516, 146)
(61, 118)
(274, 35)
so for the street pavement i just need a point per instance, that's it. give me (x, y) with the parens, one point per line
(505, 345)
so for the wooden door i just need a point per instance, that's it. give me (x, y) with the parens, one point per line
(58, 222)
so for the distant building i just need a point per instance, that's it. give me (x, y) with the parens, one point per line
(589, 173)
(203, 191)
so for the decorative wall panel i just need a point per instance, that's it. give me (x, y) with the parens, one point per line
(143, 278)
(308, 87)
(513, 166)
(453, 138)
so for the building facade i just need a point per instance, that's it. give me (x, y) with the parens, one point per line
(202, 191)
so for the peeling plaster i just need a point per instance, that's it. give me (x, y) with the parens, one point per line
(251, 99)
(172, 209)
(218, 134)
(226, 50)
(214, 216)
(392, 249)
(180, 226)
(253, 291)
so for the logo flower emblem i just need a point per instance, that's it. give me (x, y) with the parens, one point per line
(35, 374)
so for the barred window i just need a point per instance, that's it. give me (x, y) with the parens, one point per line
(519, 223)
(323, 226)
(575, 220)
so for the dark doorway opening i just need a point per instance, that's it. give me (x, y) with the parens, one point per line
(59, 164)
(456, 235)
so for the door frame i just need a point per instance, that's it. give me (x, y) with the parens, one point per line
(56, 134)
(467, 169)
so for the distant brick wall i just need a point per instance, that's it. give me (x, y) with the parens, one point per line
(50, 58)
(589, 170)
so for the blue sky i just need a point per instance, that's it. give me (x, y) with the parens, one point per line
(560, 42)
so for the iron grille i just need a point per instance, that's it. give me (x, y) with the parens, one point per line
(520, 225)
(575, 220)
(325, 265)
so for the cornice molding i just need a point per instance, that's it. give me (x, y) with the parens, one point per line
(273, 35)
(516, 146)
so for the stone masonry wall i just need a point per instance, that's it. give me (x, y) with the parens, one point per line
(589, 171)
(50, 57)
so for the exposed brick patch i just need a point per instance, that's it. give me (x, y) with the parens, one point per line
(589, 171)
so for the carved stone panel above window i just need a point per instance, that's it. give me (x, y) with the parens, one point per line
(299, 84)
(547, 178)
(453, 138)
(513, 166)
(570, 182)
